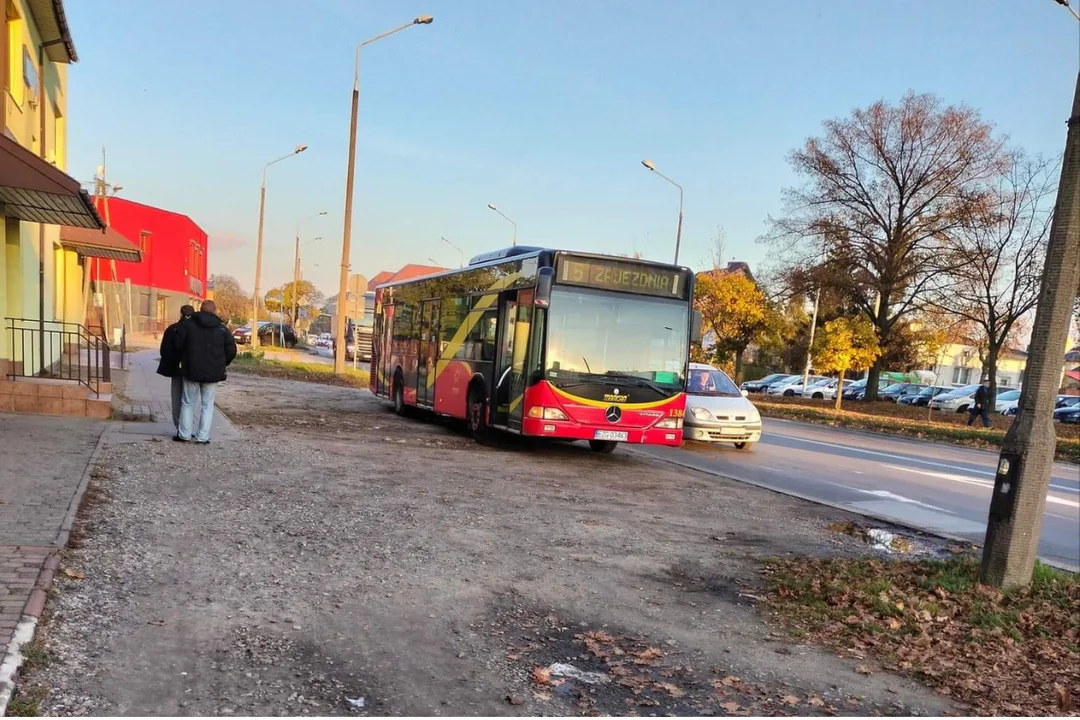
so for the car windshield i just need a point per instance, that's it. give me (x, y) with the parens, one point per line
(931, 391)
(711, 382)
(1071, 402)
(770, 378)
(822, 381)
(597, 335)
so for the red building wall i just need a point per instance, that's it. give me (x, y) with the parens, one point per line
(175, 249)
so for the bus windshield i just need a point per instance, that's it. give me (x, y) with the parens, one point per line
(615, 335)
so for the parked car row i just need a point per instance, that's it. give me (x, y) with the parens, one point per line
(270, 334)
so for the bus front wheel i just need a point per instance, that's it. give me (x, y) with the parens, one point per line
(604, 447)
(399, 397)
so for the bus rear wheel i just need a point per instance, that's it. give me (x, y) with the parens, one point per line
(604, 447)
(399, 397)
(478, 426)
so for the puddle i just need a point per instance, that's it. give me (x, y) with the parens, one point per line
(893, 542)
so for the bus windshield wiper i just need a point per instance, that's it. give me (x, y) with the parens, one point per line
(643, 382)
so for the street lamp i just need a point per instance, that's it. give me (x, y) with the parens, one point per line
(296, 263)
(492, 207)
(314, 239)
(346, 236)
(458, 249)
(258, 248)
(649, 164)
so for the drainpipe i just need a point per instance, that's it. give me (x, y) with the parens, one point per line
(42, 112)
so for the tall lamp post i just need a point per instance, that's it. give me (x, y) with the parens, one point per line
(649, 164)
(346, 236)
(492, 207)
(296, 265)
(258, 248)
(1024, 466)
(462, 264)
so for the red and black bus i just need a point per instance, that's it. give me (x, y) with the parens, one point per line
(544, 343)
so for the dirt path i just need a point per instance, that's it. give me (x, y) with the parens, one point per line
(342, 552)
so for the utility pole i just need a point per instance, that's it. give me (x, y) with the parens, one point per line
(810, 347)
(1027, 453)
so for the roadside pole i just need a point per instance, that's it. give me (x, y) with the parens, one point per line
(810, 347)
(1027, 453)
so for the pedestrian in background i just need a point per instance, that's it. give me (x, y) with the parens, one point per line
(981, 404)
(169, 364)
(206, 348)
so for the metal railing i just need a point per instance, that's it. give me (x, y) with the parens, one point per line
(58, 350)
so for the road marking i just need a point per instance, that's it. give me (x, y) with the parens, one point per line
(909, 458)
(900, 498)
(980, 483)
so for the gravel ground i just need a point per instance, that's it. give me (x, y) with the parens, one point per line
(340, 552)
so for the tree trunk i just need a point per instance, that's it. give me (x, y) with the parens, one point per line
(839, 391)
(738, 365)
(872, 381)
(991, 375)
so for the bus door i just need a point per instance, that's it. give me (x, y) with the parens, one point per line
(518, 350)
(428, 353)
(504, 360)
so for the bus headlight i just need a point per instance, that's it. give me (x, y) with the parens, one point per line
(670, 423)
(547, 413)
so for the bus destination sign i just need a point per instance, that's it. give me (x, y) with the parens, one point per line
(604, 274)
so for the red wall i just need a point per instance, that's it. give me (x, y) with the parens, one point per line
(170, 261)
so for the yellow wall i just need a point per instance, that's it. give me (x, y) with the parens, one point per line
(19, 266)
(1009, 369)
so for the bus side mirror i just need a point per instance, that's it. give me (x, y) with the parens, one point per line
(695, 326)
(545, 276)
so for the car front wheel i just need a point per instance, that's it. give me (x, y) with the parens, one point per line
(743, 446)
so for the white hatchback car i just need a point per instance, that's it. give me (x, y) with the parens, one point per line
(717, 411)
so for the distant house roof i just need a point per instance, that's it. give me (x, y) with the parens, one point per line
(380, 278)
(107, 243)
(408, 272)
(732, 268)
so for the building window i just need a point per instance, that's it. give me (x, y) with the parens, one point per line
(30, 74)
(144, 304)
(961, 375)
(13, 83)
(144, 242)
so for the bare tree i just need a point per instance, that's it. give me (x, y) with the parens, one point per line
(998, 256)
(892, 184)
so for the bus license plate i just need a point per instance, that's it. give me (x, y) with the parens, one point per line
(610, 435)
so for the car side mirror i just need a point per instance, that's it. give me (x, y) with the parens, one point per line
(696, 322)
(746, 393)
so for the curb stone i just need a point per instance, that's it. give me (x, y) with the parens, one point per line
(35, 605)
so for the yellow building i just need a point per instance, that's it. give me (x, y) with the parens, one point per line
(47, 219)
(960, 365)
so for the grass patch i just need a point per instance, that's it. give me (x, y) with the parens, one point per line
(1002, 653)
(257, 364)
(912, 422)
(26, 703)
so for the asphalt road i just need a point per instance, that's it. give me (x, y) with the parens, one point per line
(934, 487)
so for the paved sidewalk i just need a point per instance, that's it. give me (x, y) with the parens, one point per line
(46, 463)
(149, 395)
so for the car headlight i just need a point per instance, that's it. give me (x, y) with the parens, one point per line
(670, 423)
(700, 413)
(755, 416)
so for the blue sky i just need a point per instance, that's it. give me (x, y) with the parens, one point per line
(544, 108)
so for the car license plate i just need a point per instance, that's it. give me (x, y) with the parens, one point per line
(610, 435)
(731, 431)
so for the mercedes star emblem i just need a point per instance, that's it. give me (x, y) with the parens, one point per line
(613, 414)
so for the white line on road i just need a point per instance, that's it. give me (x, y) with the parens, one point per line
(900, 498)
(909, 458)
(978, 482)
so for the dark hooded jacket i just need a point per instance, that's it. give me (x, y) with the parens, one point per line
(205, 347)
(169, 365)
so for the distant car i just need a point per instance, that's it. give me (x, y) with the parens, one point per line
(961, 399)
(1069, 414)
(717, 411)
(821, 390)
(922, 399)
(763, 383)
(270, 334)
(1006, 399)
(894, 392)
(789, 387)
(1063, 402)
(857, 390)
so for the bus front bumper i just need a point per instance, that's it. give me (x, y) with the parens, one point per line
(576, 431)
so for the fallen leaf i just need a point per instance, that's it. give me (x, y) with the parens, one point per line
(1064, 700)
(541, 675)
(815, 701)
(672, 690)
(790, 700)
(895, 624)
(73, 574)
(863, 670)
(648, 655)
(730, 707)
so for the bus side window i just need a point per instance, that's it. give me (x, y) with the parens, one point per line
(487, 341)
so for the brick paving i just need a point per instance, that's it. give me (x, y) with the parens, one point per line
(44, 461)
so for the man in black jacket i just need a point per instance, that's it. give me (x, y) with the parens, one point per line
(981, 404)
(206, 348)
(169, 365)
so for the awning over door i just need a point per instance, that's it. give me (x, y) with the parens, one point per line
(33, 190)
(108, 244)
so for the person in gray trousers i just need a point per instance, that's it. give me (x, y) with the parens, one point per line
(170, 363)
